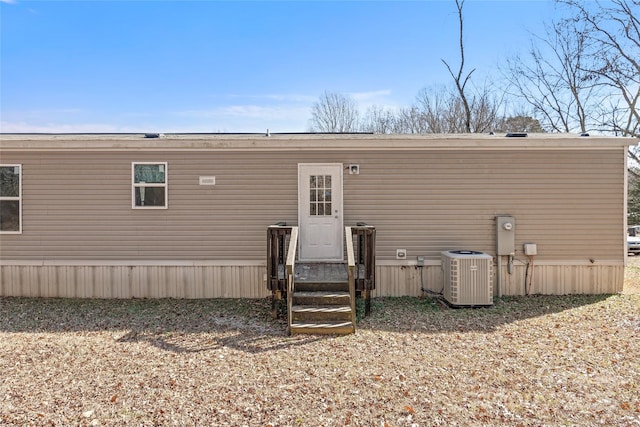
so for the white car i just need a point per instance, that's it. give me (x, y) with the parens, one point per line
(633, 245)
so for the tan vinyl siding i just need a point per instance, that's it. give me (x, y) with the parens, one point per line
(77, 204)
(570, 203)
(79, 207)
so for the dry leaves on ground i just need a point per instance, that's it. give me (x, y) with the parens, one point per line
(572, 360)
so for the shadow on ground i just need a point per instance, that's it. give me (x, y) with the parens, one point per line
(434, 316)
(243, 324)
(169, 324)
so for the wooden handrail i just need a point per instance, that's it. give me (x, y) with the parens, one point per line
(291, 273)
(351, 259)
(351, 265)
(293, 247)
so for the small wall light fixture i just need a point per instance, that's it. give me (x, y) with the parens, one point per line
(354, 169)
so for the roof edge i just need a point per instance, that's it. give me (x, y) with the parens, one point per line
(301, 141)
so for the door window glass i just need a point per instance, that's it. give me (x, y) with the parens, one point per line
(320, 195)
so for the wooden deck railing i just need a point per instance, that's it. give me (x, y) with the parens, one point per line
(278, 236)
(281, 249)
(365, 260)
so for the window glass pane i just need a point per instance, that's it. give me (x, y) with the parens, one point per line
(320, 195)
(154, 174)
(9, 215)
(10, 181)
(149, 196)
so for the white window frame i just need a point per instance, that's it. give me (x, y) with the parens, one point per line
(165, 185)
(19, 199)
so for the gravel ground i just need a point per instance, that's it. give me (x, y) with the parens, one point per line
(527, 361)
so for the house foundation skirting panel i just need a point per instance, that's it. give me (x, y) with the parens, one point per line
(210, 280)
(549, 279)
(133, 281)
(564, 279)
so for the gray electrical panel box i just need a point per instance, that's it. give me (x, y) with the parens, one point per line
(505, 235)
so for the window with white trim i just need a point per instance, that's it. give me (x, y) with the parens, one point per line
(10, 199)
(149, 185)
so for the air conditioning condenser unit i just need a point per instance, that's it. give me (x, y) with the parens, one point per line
(468, 278)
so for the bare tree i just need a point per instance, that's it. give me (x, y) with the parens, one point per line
(334, 112)
(466, 112)
(378, 119)
(435, 105)
(485, 110)
(444, 112)
(438, 110)
(613, 30)
(460, 80)
(410, 120)
(554, 81)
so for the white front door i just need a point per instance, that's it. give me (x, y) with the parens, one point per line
(320, 211)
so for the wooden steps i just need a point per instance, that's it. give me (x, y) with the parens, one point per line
(321, 312)
(326, 328)
(321, 303)
(320, 295)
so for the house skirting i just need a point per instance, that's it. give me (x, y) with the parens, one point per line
(201, 279)
(557, 278)
(128, 280)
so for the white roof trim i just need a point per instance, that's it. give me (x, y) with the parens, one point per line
(303, 142)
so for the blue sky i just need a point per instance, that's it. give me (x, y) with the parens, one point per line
(242, 66)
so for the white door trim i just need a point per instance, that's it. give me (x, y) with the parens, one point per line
(331, 246)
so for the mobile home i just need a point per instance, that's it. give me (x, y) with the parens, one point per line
(186, 215)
